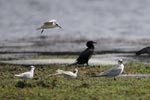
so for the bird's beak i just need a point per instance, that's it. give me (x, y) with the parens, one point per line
(58, 26)
(120, 61)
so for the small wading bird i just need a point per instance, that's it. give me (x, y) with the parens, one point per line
(113, 72)
(68, 74)
(27, 75)
(86, 54)
(145, 50)
(50, 24)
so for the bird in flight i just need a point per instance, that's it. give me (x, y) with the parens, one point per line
(113, 72)
(49, 24)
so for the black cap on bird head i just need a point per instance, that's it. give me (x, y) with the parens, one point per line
(120, 61)
(75, 70)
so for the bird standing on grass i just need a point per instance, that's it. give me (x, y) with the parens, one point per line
(27, 75)
(68, 74)
(86, 54)
(50, 24)
(113, 72)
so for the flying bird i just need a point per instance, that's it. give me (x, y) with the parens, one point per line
(27, 75)
(86, 54)
(69, 74)
(113, 72)
(49, 24)
(145, 50)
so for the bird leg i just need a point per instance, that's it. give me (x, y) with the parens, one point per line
(42, 31)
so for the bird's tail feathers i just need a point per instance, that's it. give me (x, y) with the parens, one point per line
(97, 74)
(17, 75)
(59, 71)
(75, 63)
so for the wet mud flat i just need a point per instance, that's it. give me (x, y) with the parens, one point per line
(55, 49)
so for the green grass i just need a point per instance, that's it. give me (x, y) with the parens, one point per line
(84, 87)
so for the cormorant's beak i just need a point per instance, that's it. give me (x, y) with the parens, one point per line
(58, 26)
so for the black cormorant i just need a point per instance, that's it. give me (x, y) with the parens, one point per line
(86, 54)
